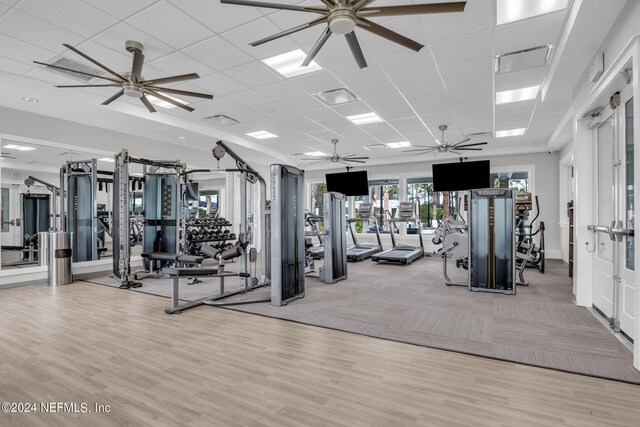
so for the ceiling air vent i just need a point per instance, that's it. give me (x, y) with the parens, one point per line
(375, 147)
(523, 59)
(222, 120)
(336, 96)
(74, 65)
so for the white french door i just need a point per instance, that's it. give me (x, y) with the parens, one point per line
(11, 227)
(614, 290)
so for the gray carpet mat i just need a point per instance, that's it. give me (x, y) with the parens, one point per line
(539, 326)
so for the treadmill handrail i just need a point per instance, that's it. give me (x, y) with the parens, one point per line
(363, 219)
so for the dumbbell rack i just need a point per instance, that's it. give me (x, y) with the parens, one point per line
(210, 226)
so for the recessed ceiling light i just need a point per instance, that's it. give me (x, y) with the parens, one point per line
(29, 99)
(182, 138)
(510, 132)
(107, 159)
(517, 95)
(290, 64)
(401, 144)
(164, 104)
(18, 147)
(365, 119)
(222, 120)
(336, 96)
(523, 59)
(263, 134)
(315, 154)
(516, 10)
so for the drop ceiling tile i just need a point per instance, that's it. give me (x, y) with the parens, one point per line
(248, 98)
(378, 89)
(480, 69)
(15, 67)
(336, 123)
(516, 107)
(115, 38)
(177, 63)
(30, 29)
(3, 9)
(20, 51)
(469, 89)
(464, 48)
(243, 35)
(253, 74)
(335, 53)
(52, 77)
(216, 16)
(406, 62)
(285, 19)
(426, 78)
(537, 31)
(221, 105)
(476, 17)
(219, 84)
(169, 24)
(117, 61)
(520, 79)
(273, 110)
(280, 90)
(120, 8)
(324, 113)
(303, 103)
(64, 14)
(217, 53)
(387, 103)
(351, 108)
(399, 114)
(316, 82)
(351, 74)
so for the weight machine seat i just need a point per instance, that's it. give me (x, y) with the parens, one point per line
(190, 272)
(162, 256)
(190, 259)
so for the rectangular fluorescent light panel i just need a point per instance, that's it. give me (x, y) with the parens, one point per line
(18, 147)
(517, 95)
(164, 104)
(315, 154)
(365, 119)
(516, 10)
(336, 96)
(290, 64)
(263, 134)
(523, 59)
(107, 159)
(402, 144)
(510, 132)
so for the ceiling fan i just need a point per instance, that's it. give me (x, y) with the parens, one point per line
(445, 147)
(132, 83)
(337, 158)
(343, 16)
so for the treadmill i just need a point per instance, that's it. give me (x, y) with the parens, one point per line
(312, 220)
(402, 254)
(361, 251)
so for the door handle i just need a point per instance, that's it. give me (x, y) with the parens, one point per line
(11, 222)
(599, 228)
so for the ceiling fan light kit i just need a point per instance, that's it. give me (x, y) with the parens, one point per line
(342, 17)
(132, 83)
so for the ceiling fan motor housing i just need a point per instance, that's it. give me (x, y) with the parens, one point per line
(342, 21)
(133, 90)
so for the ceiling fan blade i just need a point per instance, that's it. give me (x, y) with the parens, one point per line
(352, 161)
(274, 6)
(316, 47)
(469, 149)
(147, 104)
(290, 31)
(329, 3)
(57, 67)
(88, 58)
(169, 100)
(172, 79)
(356, 158)
(386, 33)
(356, 50)
(414, 9)
(460, 142)
(107, 85)
(426, 150)
(180, 92)
(346, 155)
(473, 144)
(136, 69)
(114, 97)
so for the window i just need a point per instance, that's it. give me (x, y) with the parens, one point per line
(209, 203)
(384, 195)
(316, 193)
(517, 180)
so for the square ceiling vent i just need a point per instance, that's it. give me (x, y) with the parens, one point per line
(75, 66)
(222, 120)
(375, 147)
(523, 59)
(336, 96)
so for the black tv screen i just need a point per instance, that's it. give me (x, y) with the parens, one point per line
(348, 183)
(461, 176)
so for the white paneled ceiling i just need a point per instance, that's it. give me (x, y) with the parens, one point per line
(450, 81)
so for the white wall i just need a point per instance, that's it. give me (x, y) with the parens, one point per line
(545, 184)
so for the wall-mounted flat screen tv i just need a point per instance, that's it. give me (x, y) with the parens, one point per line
(461, 176)
(348, 183)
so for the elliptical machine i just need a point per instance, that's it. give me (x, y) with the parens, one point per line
(526, 231)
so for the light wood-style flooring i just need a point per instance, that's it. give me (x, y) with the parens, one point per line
(216, 367)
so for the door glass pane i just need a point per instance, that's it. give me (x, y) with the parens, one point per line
(605, 188)
(5, 210)
(629, 202)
